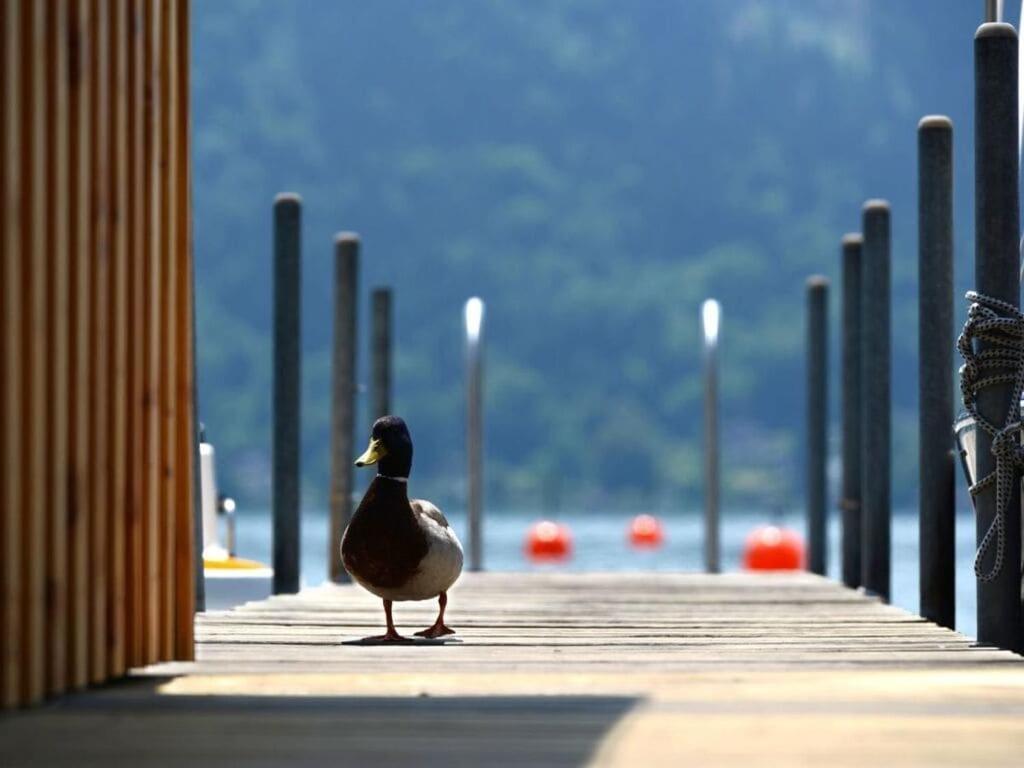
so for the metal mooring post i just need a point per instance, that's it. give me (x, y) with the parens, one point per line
(711, 318)
(287, 387)
(850, 504)
(937, 515)
(876, 425)
(996, 263)
(473, 315)
(817, 422)
(343, 394)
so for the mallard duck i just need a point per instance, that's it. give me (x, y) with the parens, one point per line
(396, 548)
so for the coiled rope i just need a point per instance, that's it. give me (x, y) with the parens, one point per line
(1002, 326)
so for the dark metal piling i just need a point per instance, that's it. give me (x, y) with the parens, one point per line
(286, 386)
(817, 422)
(850, 503)
(935, 344)
(996, 263)
(380, 354)
(876, 422)
(343, 394)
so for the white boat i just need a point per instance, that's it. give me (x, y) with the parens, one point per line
(229, 580)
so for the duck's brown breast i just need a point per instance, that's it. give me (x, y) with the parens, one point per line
(383, 544)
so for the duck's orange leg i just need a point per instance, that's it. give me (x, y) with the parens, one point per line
(391, 636)
(438, 629)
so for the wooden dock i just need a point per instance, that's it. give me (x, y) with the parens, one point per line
(556, 669)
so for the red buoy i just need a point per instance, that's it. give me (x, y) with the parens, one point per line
(645, 531)
(770, 548)
(548, 541)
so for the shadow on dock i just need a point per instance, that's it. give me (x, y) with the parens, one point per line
(130, 725)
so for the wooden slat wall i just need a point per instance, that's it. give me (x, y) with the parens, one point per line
(96, 390)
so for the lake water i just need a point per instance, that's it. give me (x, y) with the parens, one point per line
(600, 544)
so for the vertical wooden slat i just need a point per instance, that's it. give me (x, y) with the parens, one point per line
(99, 357)
(96, 301)
(151, 332)
(186, 549)
(11, 425)
(168, 284)
(79, 314)
(136, 350)
(34, 375)
(57, 269)
(117, 318)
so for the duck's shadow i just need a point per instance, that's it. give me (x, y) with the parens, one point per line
(406, 641)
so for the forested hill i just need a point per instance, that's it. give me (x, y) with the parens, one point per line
(593, 169)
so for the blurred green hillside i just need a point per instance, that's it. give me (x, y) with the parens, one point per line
(593, 169)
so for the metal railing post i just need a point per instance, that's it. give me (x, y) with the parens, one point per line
(711, 317)
(996, 263)
(473, 315)
(850, 503)
(343, 394)
(876, 418)
(817, 422)
(287, 377)
(937, 512)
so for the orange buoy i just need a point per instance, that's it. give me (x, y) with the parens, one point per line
(646, 531)
(548, 541)
(770, 548)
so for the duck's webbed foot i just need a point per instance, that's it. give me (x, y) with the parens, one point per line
(439, 629)
(391, 636)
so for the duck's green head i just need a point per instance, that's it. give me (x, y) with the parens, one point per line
(390, 448)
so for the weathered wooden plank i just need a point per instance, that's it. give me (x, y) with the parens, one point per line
(79, 396)
(168, 257)
(151, 334)
(117, 322)
(186, 551)
(35, 502)
(58, 270)
(99, 347)
(10, 339)
(135, 399)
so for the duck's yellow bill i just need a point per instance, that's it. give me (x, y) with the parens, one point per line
(373, 454)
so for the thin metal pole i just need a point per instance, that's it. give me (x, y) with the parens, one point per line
(817, 421)
(876, 423)
(380, 353)
(997, 229)
(850, 503)
(343, 394)
(937, 515)
(711, 316)
(993, 10)
(287, 388)
(474, 319)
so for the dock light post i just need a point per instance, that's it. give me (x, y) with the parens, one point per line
(850, 504)
(876, 418)
(817, 422)
(473, 315)
(380, 354)
(937, 512)
(343, 394)
(711, 318)
(287, 377)
(996, 263)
